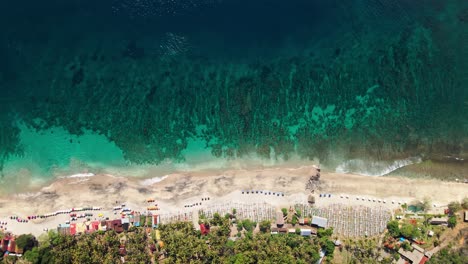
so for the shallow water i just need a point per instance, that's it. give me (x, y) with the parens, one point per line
(147, 87)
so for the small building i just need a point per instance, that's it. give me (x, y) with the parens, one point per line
(411, 256)
(291, 231)
(306, 232)
(81, 228)
(4, 243)
(122, 250)
(439, 221)
(304, 221)
(430, 233)
(115, 225)
(155, 220)
(73, 229)
(283, 230)
(94, 226)
(125, 223)
(279, 219)
(337, 243)
(12, 245)
(274, 231)
(103, 225)
(64, 229)
(319, 221)
(418, 248)
(466, 216)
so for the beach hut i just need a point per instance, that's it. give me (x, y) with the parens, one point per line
(115, 225)
(306, 232)
(125, 223)
(94, 225)
(439, 221)
(103, 225)
(319, 221)
(4, 243)
(155, 220)
(11, 245)
(73, 229)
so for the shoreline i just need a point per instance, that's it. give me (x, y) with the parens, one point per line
(179, 189)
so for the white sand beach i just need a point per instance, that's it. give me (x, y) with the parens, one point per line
(174, 191)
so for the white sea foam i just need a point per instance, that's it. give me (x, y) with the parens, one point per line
(153, 180)
(81, 175)
(374, 168)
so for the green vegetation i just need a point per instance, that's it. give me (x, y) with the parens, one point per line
(452, 221)
(183, 244)
(265, 226)
(98, 247)
(364, 251)
(393, 228)
(464, 203)
(448, 256)
(454, 207)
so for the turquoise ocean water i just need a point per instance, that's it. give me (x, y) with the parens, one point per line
(143, 88)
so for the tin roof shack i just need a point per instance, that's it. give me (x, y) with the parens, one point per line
(319, 221)
(411, 256)
(155, 221)
(439, 221)
(306, 232)
(64, 229)
(279, 219)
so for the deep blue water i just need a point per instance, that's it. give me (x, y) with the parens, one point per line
(94, 85)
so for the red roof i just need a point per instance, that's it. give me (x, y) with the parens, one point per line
(95, 225)
(4, 244)
(12, 245)
(204, 230)
(73, 229)
(423, 260)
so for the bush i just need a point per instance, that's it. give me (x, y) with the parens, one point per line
(298, 231)
(294, 221)
(407, 230)
(265, 226)
(26, 242)
(454, 207)
(452, 222)
(464, 203)
(322, 232)
(393, 228)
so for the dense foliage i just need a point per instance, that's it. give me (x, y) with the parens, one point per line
(99, 247)
(183, 244)
(449, 256)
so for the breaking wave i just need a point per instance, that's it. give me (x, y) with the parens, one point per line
(374, 168)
